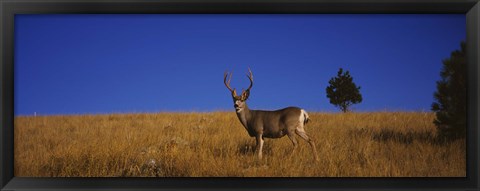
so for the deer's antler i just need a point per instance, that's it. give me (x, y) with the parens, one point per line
(227, 83)
(250, 77)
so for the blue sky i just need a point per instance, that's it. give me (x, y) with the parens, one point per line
(91, 64)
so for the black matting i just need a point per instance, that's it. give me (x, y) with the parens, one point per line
(8, 8)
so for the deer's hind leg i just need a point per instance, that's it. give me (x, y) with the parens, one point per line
(292, 138)
(301, 132)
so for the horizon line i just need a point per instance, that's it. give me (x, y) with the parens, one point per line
(206, 112)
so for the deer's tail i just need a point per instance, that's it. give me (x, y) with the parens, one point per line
(306, 118)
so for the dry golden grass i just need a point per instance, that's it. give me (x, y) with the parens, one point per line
(376, 144)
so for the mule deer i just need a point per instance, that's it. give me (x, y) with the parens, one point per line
(269, 124)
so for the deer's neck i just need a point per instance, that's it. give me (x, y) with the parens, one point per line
(244, 115)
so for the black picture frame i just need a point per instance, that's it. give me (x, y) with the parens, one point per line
(8, 9)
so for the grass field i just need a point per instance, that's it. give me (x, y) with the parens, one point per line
(379, 144)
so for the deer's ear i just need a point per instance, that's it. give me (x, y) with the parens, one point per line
(245, 94)
(234, 93)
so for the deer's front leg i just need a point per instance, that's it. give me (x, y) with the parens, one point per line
(259, 146)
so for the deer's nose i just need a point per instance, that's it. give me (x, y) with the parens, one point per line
(235, 105)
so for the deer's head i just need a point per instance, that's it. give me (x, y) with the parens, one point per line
(238, 101)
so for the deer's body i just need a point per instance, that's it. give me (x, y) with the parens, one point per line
(270, 124)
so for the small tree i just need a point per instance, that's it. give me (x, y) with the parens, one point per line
(451, 97)
(342, 92)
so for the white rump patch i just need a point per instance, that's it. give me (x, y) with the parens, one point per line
(303, 117)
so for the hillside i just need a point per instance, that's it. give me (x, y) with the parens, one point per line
(374, 144)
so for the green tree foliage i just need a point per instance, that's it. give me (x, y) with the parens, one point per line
(451, 97)
(342, 92)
